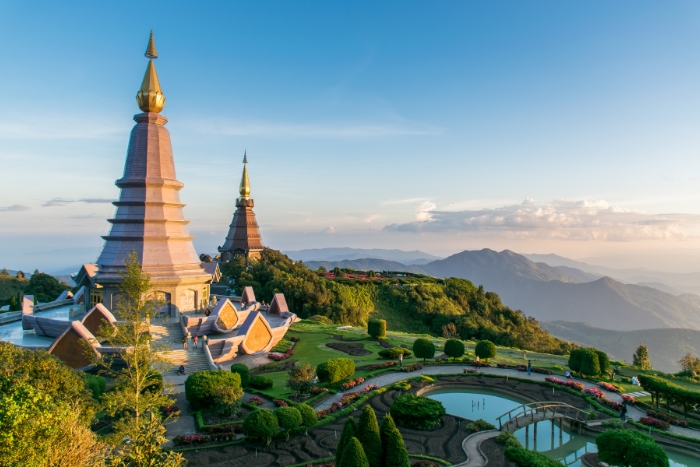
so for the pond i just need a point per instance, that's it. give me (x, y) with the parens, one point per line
(14, 333)
(567, 447)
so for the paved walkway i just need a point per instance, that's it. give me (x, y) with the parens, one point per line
(476, 458)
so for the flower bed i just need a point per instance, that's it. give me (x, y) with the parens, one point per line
(344, 401)
(411, 367)
(666, 418)
(654, 422)
(609, 387)
(629, 399)
(381, 366)
(369, 388)
(280, 403)
(612, 404)
(233, 428)
(595, 392)
(316, 390)
(188, 440)
(502, 365)
(281, 356)
(569, 384)
(256, 400)
(352, 383)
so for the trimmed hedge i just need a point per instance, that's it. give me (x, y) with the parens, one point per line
(242, 370)
(288, 417)
(376, 328)
(335, 369)
(508, 439)
(525, 458)
(308, 415)
(394, 352)
(261, 425)
(424, 348)
(201, 386)
(454, 348)
(630, 447)
(416, 412)
(260, 382)
(485, 349)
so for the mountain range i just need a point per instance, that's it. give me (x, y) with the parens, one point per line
(340, 254)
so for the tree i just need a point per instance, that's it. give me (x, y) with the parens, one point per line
(377, 328)
(690, 363)
(603, 360)
(449, 331)
(308, 415)
(301, 378)
(132, 396)
(349, 430)
(395, 453)
(243, 371)
(454, 348)
(21, 275)
(227, 400)
(641, 358)
(387, 426)
(590, 364)
(45, 287)
(144, 447)
(485, 350)
(261, 425)
(354, 455)
(424, 348)
(630, 448)
(368, 434)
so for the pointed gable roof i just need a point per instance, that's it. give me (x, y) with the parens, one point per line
(248, 295)
(68, 348)
(278, 305)
(96, 317)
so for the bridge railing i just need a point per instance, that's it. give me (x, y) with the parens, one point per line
(533, 408)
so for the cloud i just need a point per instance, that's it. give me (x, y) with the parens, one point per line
(63, 202)
(559, 219)
(56, 202)
(402, 201)
(14, 208)
(95, 200)
(329, 230)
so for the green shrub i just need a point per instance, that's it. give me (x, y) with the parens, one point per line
(508, 440)
(423, 379)
(387, 425)
(243, 371)
(590, 365)
(227, 400)
(395, 453)
(630, 448)
(201, 386)
(454, 348)
(260, 382)
(603, 361)
(416, 412)
(376, 328)
(349, 430)
(575, 360)
(96, 384)
(368, 434)
(525, 458)
(394, 352)
(335, 369)
(288, 417)
(260, 426)
(308, 415)
(479, 425)
(424, 348)
(485, 350)
(353, 455)
(401, 386)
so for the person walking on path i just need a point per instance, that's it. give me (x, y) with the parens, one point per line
(623, 411)
(184, 342)
(478, 362)
(529, 367)
(401, 360)
(194, 341)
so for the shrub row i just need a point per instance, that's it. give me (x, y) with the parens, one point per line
(674, 394)
(352, 383)
(201, 386)
(479, 425)
(667, 418)
(394, 352)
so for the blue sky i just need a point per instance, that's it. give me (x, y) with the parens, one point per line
(563, 127)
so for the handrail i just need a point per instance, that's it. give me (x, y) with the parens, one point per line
(534, 407)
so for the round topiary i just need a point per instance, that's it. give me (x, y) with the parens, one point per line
(288, 417)
(417, 412)
(627, 447)
(335, 369)
(308, 415)
(201, 386)
(424, 348)
(242, 370)
(377, 328)
(485, 350)
(454, 348)
(394, 352)
(260, 426)
(260, 382)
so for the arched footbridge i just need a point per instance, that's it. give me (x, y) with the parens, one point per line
(534, 412)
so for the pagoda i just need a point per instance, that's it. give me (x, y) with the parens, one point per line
(149, 218)
(243, 234)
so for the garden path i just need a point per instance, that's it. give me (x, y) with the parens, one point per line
(392, 377)
(475, 458)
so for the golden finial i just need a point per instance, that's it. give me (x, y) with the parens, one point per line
(150, 98)
(244, 189)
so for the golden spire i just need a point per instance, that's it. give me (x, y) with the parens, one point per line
(150, 98)
(244, 189)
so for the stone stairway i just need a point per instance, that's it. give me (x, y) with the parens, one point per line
(171, 335)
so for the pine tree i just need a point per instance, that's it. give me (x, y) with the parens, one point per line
(641, 358)
(395, 453)
(368, 434)
(349, 431)
(353, 455)
(388, 426)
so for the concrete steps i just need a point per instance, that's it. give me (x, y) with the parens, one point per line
(171, 335)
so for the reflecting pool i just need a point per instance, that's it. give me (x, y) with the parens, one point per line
(14, 333)
(563, 445)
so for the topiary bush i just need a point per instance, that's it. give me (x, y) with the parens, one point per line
(260, 426)
(525, 458)
(590, 365)
(630, 448)
(454, 348)
(368, 434)
(394, 352)
(575, 360)
(349, 430)
(242, 370)
(417, 412)
(260, 382)
(424, 348)
(308, 415)
(201, 386)
(376, 328)
(479, 425)
(335, 369)
(96, 384)
(485, 349)
(288, 418)
(603, 361)
(353, 455)
(395, 453)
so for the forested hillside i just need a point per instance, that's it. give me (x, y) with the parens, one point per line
(416, 303)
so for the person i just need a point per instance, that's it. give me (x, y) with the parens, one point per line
(623, 411)
(568, 375)
(529, 367)
(181, 370)
(207, 312)
(401, 360)
(635, 380)
(478, 362)
(184, 342)
(194, 341)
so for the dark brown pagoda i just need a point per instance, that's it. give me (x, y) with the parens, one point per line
(243, 235)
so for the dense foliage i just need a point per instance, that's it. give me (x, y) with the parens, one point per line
(424, 348)
(261, 425)
(301, 378)
(346, 435)
(641, 359)
(479, 425)
(308, 415)
(524, 458)
(97, 385)
(45, 287)
(508, 440)
(433, 303)
(672, 393)
(353, 455)
(485, 350)
(368, 434)
(260, 382)
(376, 328)
(630, 448)
(200, 387)
(335, 369)
(454, 348)
(589, 361)
(243, 372)
(288, 417)
(416, 412)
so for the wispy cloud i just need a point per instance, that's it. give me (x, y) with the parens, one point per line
(63, 202)
(317, 130)
(96, 200)
(14, 207)
(393, 202)
(559, 219)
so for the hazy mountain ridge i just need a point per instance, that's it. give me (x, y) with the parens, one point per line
(666, 346)
(341, 254)
(366, 264)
